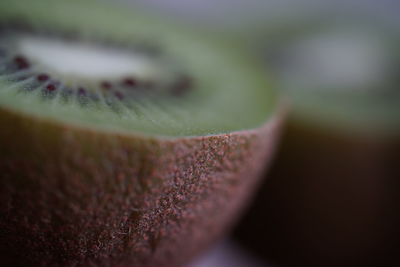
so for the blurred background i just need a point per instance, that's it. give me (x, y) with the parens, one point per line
(332, 196)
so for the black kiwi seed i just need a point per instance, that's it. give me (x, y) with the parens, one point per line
(42, 77)
(127, 88)
(146, 170)
(129, 82)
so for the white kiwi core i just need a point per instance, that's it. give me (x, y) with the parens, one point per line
(128, 73)
(83, 60)
(344, 77)
(337, 61)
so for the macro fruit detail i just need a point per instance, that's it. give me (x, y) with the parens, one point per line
(70, 195)
(113, 153)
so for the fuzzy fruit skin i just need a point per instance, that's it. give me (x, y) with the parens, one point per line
(331, 200)
(71, 196)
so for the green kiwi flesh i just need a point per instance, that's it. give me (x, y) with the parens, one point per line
(208, 108)
(147, 180)
(331, 194)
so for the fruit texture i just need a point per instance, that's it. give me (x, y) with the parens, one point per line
(332, 192)
(124, 140)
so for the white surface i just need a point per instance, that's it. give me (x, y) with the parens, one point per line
(234, 12)
(227, 254)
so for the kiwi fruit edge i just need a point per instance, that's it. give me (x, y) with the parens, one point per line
(331, 194)
(76, 194)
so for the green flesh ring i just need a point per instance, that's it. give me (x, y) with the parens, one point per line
(229, 91)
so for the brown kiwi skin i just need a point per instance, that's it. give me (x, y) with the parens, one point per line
(72, 196)
(330, 200)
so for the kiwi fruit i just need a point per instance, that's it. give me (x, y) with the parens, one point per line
(126, 139)
(332, 193)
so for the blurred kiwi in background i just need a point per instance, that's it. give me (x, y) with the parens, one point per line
(333, 193)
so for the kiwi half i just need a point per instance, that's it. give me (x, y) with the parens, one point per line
(332, 193)
(125, 139)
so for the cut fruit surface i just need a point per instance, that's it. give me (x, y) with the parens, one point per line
(343, 75)
(126, 140)
(125, 74)
(82, 61)
(330, 195)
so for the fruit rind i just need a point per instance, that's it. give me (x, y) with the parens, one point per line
(76, 196)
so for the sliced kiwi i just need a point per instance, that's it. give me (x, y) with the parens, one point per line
(348, 73)
(133, 75)
(125, 138)
(331, 195)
